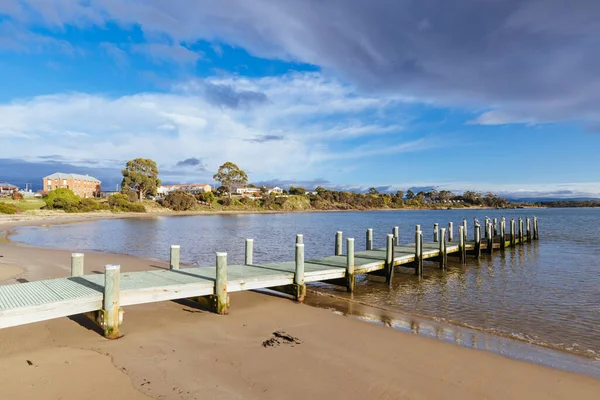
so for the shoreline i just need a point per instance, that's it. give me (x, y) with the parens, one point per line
(551, 360)
(432, 368)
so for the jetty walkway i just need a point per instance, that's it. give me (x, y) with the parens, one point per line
(102, 296)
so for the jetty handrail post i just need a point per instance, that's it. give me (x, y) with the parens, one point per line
(443, 257)
(299, 290)
(220, 298)
(461, 244)
(77, 264)
(528, 225)
(111, 313)
(450, 231)
(536, 235)
(503, 234)
(490, 238)
(513, 240)
(249, 252)
(436, 232)
(338, 243)
(369, 242)
(477, 234)
(521, 235)
(396, 233)
(389, 259)
(350, 280)
(300, 238)
(174, 256)
(419, 251)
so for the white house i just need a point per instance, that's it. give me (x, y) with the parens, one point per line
(244, 190)
(192, 188)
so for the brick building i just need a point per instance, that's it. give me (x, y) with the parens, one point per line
(81, 185)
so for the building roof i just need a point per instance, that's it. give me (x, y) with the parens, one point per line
(7, 185)
(60, 175)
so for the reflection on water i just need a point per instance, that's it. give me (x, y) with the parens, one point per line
(546, 292)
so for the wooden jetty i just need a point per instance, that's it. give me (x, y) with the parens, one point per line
(103, 296)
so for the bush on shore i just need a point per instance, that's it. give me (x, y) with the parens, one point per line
(179, 200)
(121, 202)
(7, 208)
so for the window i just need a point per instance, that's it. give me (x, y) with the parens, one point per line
(49, 182)
(64, 181)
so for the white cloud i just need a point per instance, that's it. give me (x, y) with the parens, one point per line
(301, 111)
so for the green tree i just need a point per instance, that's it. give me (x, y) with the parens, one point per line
(141, 176)
(297, 190)
(410, 194)
(230, 176)
(373, 191)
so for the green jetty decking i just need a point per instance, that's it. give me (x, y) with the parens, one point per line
(102, 296)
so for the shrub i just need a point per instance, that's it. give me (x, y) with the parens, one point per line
(120, 202)
(7, 208)
(245, 200)
(179, 201)
(17, 196)
(88, 205)
(62, 199)
(131, 196)
(225, 201)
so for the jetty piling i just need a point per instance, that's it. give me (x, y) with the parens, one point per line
(450, 231)
(461, 244)
(77, 264)
(111, 311)
(249, 250)
(535, 229)
(443, 256)
(174, 256)
(350, 279)
(528, 225)
(369, 242)
(521, 233)
(418, 251)
(464, 224)
(503, 234)
(490, 238)
(495, 226)
(396, 236)
(300, 238)
(299, 283)
(389, 259)
(338, 243)
(477, 230)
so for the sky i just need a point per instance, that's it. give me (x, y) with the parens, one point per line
(487, 95)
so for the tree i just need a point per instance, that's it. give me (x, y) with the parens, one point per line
(410, 194)
(373, 191)
(400, 194)
(230, 176)
(179, 200)
(297, 190)
(141, 176)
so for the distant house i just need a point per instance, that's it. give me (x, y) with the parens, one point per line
(274, 189)
(7, 190)
(246, 190)
(81, 185)
(192, 188)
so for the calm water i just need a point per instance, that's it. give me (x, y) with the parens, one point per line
(547, 293)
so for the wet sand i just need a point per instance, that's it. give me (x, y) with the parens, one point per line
(173, 350)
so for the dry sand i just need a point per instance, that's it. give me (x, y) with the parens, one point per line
(173, 350)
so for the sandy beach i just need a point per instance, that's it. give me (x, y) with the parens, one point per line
(174, 350)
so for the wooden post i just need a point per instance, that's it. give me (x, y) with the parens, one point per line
(299, 286)
(443, 248)
(396, 232)
(436, 232)
(450, 231)
(536, 235)
(419, 251)
(521, 235)
(369, 241)
(486, 228)
(300, 238)
(461, 243)
(220, 298)
(350, 280)
(249, 251)
(465, 227)
(338, 243)
(174, 259)
(477, 240)
(528, 229)
(513, 239)
(503, 234)
(77, 264)
(389, 258)
(495, 226)
(111, 312)
(490, 238)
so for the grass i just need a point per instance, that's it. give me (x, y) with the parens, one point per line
(25, 204)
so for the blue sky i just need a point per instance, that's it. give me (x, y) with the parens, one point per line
(483, 95)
